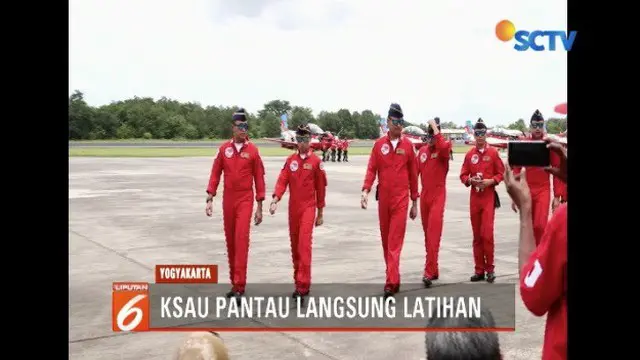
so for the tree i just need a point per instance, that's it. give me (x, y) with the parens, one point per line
(518, 125)
(165, 118)
(270, 126)
(449, 125)
(81, 117)
(556, 126)
(275, 107)
(300, 116)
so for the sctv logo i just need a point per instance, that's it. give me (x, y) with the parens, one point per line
(535, 40)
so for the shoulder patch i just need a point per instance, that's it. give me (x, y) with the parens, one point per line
(321, 166)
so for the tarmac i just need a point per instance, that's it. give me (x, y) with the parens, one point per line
(127, 215)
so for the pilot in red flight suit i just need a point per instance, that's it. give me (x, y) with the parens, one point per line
(393, 161)
(240, 161)
(339, 147)
(345, 150)
(543, 267)
(539, 184)
(483, 170)
(437, 119)
(543, 284)
(433, 166)
(304, 173)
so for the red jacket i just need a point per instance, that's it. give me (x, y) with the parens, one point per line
(538, 179)
(487, 163)
(543, 284)
(241, 169)
(303, 176)
(395, 169)
(433, 163)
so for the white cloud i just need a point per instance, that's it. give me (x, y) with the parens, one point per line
(434, 58)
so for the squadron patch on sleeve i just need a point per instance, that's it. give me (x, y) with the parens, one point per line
(423, 157)
(322, 166)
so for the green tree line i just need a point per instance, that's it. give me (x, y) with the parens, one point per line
(146, 118)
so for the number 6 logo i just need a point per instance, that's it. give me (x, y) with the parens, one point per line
(127, 310)
(130, 310)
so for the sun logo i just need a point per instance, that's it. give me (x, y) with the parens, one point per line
(505, 30)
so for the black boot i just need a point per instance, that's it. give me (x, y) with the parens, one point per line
(427, 281)
(477, 277)
(491, 277)
(235, 294)
(390, 290)
(298, 295)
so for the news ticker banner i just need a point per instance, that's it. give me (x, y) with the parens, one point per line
(180, 301)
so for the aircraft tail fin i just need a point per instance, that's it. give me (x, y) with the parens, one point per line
(468, 129)
(283, 123)
(383, 127)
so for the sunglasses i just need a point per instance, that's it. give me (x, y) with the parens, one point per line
(427, 138)
(537, 125)
(480, 132)
(397, 122)
(302, 139)
(242, 126)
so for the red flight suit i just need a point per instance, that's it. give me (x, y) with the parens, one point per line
(543, 284)
(307, 183)
(433, 166)
(539, 185)
(398, 180)
(488, 165)
(241, 169)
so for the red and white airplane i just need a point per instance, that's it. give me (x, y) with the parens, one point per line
(500, 140)
(320, 140)
(413, 133)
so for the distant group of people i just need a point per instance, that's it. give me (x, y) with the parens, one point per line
(334, 148)
(397, 167)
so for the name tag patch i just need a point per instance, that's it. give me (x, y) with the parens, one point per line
(307, 167)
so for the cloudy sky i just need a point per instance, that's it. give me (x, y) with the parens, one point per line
(435, 58)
